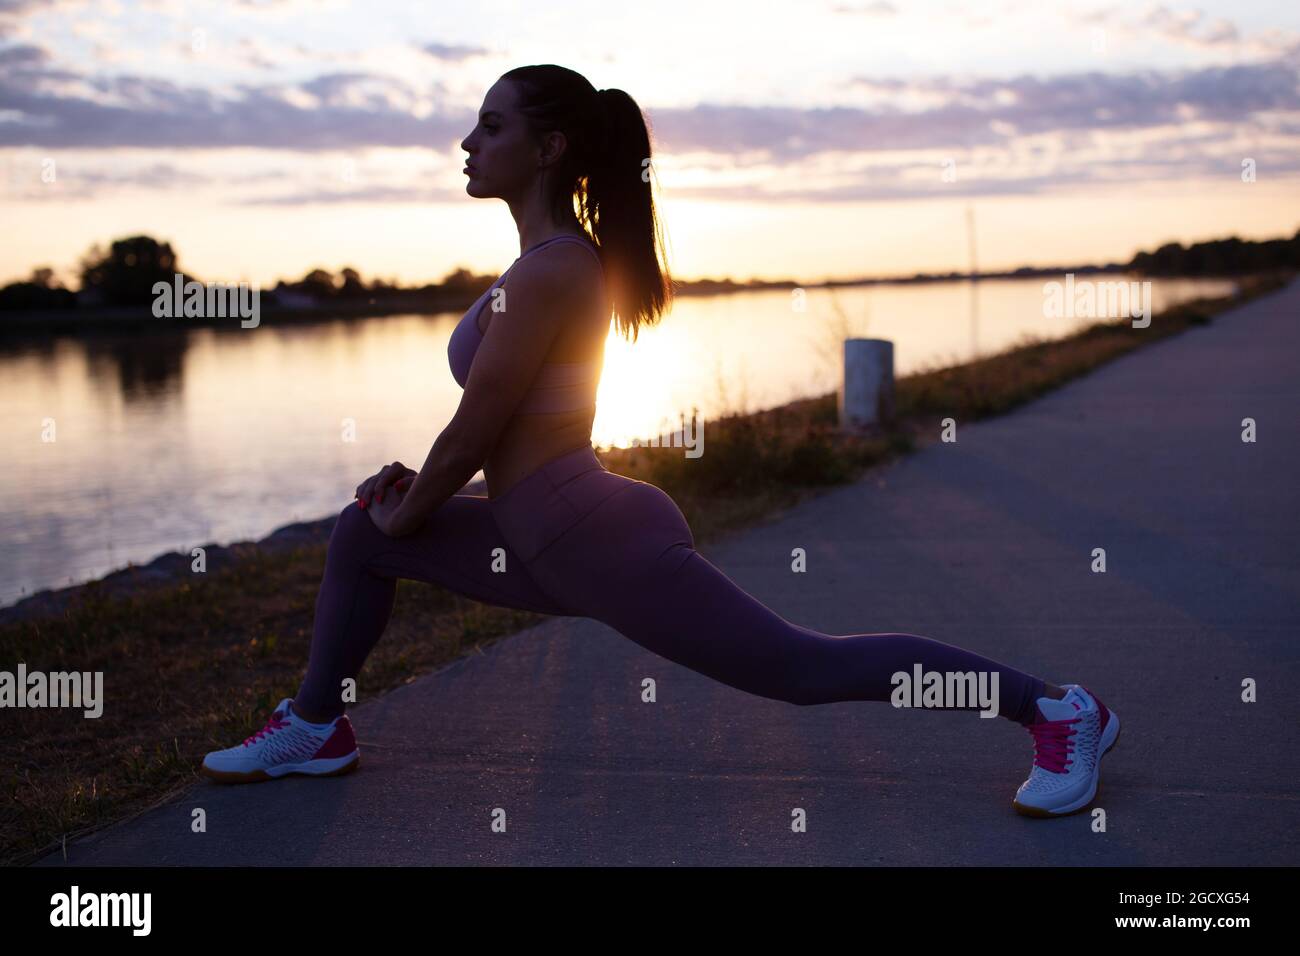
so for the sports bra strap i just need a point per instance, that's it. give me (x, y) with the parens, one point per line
(587, 243)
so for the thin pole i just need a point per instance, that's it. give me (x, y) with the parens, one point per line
(974, 292)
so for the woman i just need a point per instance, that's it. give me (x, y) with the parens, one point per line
(558, 533)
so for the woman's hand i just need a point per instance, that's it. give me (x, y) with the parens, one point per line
(383, 508)
(372, 489)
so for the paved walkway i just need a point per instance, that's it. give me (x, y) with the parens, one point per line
(984, 543)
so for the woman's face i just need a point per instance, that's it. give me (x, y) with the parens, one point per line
(502, 156)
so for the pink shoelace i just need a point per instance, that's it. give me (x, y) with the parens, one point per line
(1052, 743)
(272, 725)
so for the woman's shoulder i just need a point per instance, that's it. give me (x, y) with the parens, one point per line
(560, 266)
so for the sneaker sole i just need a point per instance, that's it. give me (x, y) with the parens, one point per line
(335, 767)
(1088, 797)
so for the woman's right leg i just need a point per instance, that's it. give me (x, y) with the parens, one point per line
(631, 563)
(455, 548)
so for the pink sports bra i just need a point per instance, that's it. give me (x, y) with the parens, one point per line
(559, 386)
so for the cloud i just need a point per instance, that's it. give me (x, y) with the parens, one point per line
(281, 8)
(453, 54)
(880, 9)
(352, 108)
(368, 194)
(360, 90)
(1024, 167)
(22, 7)
(1190, 27)
(1009, 134)
(64, 109)
(256, 52)
(23, 54)
(970, 113)
(85, 180)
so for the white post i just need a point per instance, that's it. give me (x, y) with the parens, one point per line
(866, 399)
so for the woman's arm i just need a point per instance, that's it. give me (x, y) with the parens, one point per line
(445, 472)
(541, 291)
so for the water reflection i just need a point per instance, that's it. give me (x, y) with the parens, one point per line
(139, 369)
(174, 439)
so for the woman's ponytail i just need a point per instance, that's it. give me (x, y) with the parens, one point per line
(605, 177)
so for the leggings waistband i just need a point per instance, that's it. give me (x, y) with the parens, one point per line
(537, 510)
(559, 469)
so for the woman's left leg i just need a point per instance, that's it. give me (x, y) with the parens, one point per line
(459, 547)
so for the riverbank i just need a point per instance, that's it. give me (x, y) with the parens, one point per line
(194, 662)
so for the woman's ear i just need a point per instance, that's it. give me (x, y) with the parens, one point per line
(553, 147)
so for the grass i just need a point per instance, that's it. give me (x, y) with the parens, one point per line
(196, 666)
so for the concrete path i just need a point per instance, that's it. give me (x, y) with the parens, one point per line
(985, 543)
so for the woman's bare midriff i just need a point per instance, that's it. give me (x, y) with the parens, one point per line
(530, 440)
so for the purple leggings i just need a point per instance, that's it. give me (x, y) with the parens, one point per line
(578, 540)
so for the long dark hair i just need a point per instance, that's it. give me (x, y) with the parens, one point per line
(604, 178)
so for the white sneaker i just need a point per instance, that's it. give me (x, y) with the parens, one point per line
(287, 744)
(1070, 736)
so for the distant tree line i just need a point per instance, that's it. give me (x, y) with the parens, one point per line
(1219, 257)
(41, 291)
(125, 274)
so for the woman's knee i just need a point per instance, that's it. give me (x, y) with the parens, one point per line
(352, 529)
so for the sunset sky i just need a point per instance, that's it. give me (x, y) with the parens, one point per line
(795, 139)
